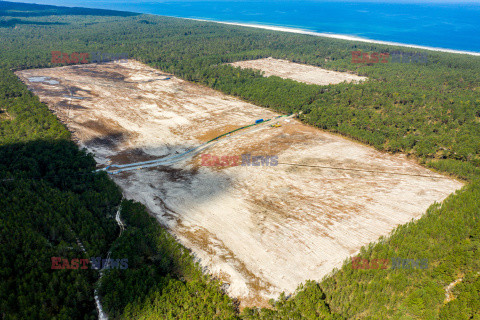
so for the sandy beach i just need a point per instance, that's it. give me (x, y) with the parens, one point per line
(339, 36)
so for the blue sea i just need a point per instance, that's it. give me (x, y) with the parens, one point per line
(442, 25)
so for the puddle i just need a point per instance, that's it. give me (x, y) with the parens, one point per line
(43, 79)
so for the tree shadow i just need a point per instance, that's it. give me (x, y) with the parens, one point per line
(158, 187)
(14, 22)
(50, 202)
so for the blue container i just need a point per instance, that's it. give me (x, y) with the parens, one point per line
(259, 120)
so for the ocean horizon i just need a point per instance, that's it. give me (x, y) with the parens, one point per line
(448, 26)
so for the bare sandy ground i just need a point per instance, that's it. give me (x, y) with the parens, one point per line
(261, 229)
(4, 115)
(299, 72)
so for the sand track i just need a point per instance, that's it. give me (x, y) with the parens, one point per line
(262, 229)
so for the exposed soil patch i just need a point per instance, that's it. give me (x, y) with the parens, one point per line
(298, 72)
(261, 229)
(216, 132)
(448, 290)
(4, 115)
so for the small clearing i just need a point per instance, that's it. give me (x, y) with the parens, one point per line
(4, 115)
(298, 72)
(448, 290)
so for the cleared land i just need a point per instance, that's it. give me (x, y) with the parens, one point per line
(261, 229)
(4, 115)
(298, 72)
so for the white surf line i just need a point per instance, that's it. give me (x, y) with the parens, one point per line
(338, 36)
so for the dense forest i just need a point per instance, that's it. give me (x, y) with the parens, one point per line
(50, 199)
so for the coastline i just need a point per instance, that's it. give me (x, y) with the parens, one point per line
(336, 36)
(297, 31)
